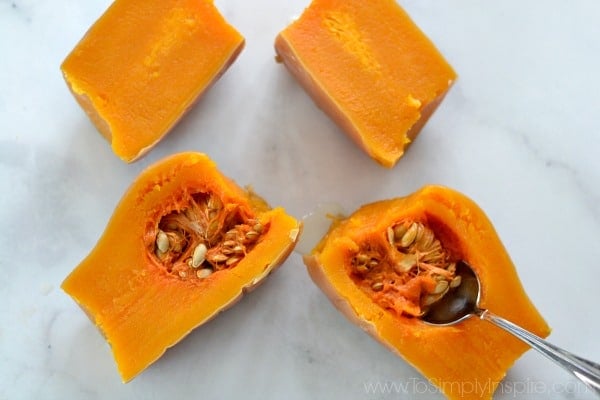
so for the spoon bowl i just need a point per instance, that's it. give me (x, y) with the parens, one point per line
(462, 302)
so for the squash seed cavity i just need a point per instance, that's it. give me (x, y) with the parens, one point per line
(408, 271)
(204, 236)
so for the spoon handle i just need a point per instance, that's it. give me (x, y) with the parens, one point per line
(587, 371)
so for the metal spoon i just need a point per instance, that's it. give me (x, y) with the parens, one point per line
(462, 302)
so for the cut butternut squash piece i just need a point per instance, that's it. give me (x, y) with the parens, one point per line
(370, 68)
(144, 63)
(184, 244)
(389, 261)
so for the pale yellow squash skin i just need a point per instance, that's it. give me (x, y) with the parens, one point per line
(467, 360)
(140, 308)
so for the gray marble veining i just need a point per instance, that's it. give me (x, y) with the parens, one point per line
(519, 133)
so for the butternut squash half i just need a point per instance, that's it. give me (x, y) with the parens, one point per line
(184, 244)
(384, 265)
(144, 63)
(370, 68)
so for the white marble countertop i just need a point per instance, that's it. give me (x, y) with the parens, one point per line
(519, 133)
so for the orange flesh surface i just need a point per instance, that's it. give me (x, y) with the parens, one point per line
(138, 303)
(370, 68)
(144, 63)
(471, 354)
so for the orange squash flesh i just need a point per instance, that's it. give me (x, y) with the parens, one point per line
(144, 63)
(370, 68)
(467, 360)
(141, 307)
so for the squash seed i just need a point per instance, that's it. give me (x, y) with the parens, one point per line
(258, 227)
(362, 258)
(219, 258)
(409, 236)
(441, 287)
(162, 242)
(452, 269)
(427, 239)
(238, 249)
(362, 269)
(419, 234)
(430, 299)
(231, 235)
(406, 264)
(399, 231)
(390, 235)
(232, 260)
(377, 286)
(199, 255)
(456, 281)
(204, 273)
(252, 235)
